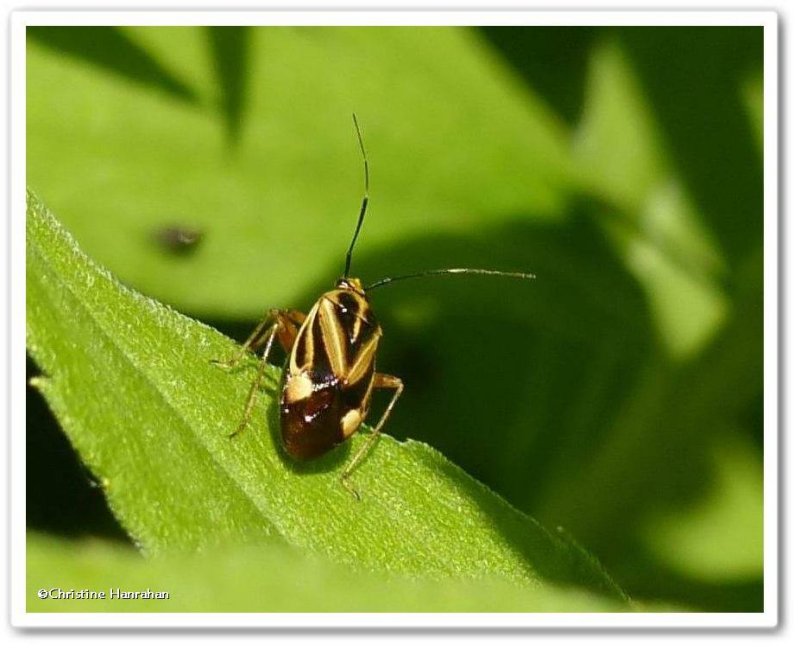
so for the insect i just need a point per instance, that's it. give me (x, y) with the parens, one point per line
(330, 372)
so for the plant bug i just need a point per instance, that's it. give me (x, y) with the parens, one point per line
(329, 375)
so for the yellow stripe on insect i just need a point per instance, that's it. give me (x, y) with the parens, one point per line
(364, 361)
(333, 337)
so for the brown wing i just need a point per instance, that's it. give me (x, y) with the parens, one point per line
(312, 423)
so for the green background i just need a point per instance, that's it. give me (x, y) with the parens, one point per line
(619, 396)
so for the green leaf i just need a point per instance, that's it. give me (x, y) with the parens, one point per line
(131, 383)
(270, 578)
(654, 225)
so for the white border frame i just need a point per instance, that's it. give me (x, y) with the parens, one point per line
(21, 618)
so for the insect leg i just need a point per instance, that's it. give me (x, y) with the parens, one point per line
(251, 396)
(382, 381)
(289, 321)
(253, 342)
(285, 327)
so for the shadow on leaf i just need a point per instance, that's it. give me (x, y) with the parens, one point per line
(111, 49)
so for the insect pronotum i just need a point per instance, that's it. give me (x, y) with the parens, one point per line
(329, 375)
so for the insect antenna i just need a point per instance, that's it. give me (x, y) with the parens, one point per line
(450, 271)
(364, 200)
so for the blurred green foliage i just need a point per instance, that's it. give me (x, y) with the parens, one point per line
(273, 578)
(620, 396)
